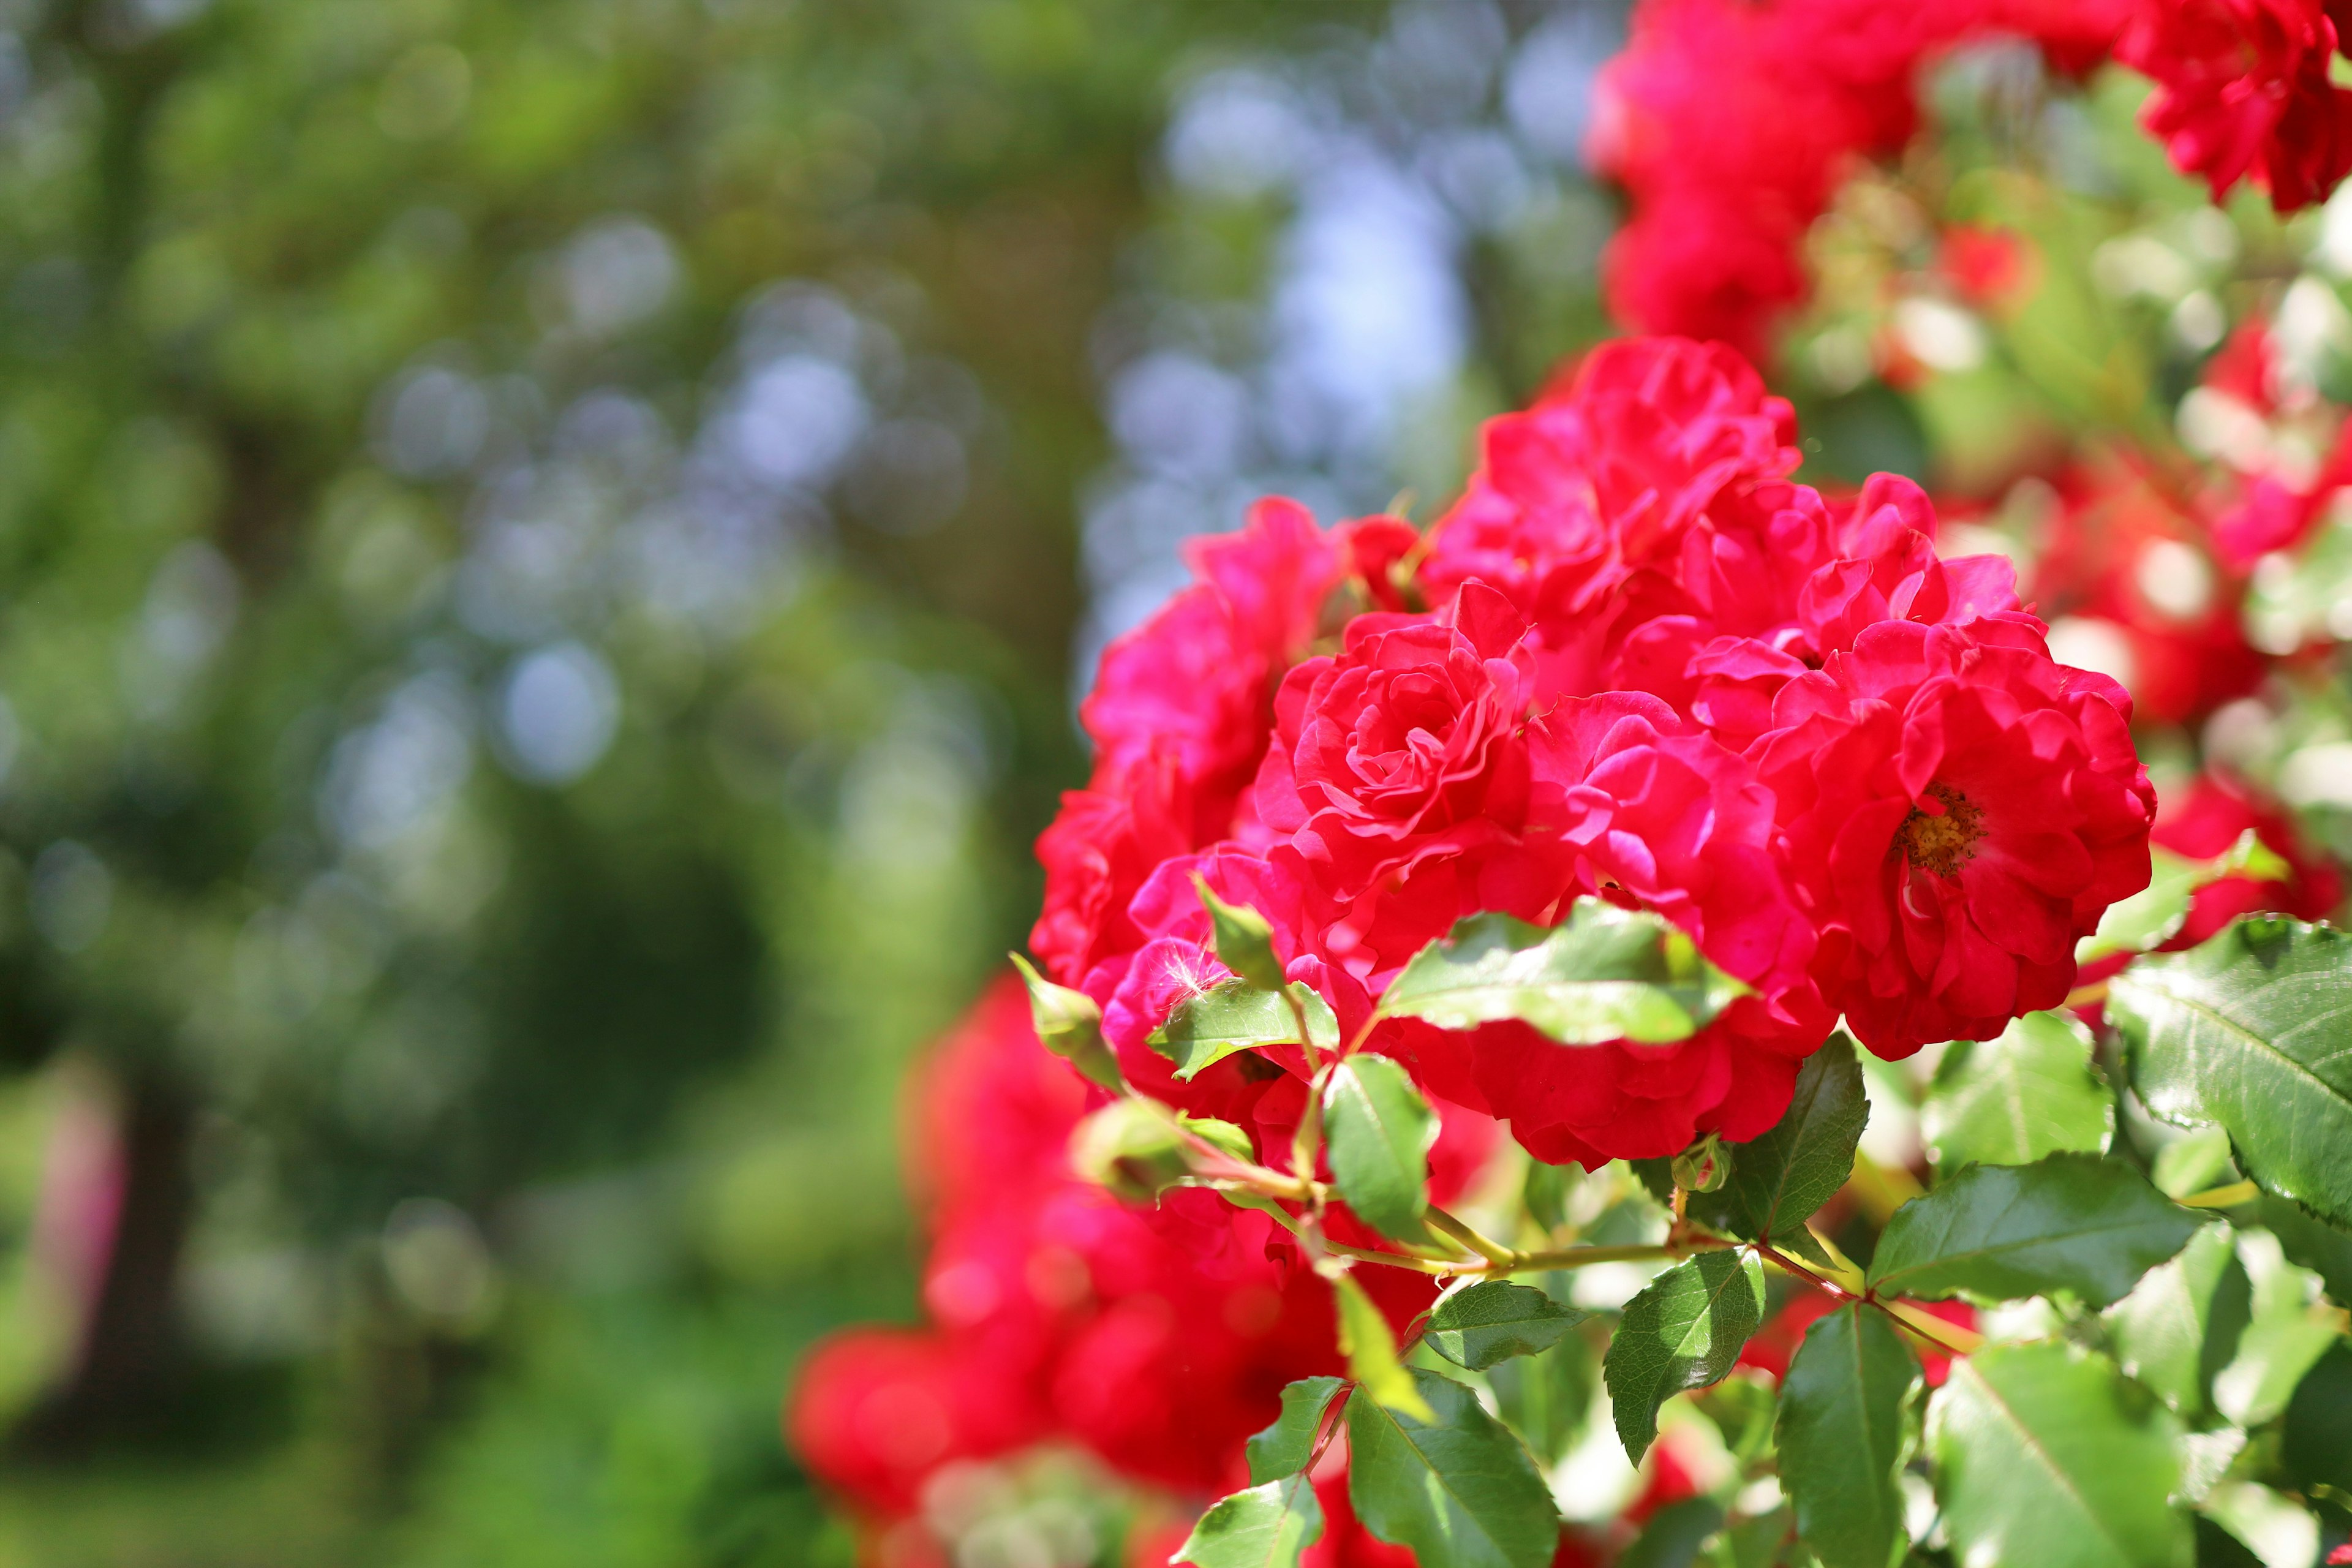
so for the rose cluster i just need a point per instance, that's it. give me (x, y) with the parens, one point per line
(1713, 246)
(1635, 661)
(1154, 1339)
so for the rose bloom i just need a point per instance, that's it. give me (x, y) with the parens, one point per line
(2244, 90)
(1959, 809)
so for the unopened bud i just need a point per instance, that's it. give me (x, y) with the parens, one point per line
(1702, 1167)
(1130, 1147)
(1069, 1024)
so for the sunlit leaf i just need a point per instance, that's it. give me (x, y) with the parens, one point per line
(1684, 1331)
(2248, 1032)
(2070, 1221)
(1779, 1179)
(1380, 1130)
(1605, 974)
(2011, 1099)
(1493, 1320)
(1266, 1527)
(2044, 1454)
(1452, 1484)
(1841, 1437)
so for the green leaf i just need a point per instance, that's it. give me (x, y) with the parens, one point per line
(1379, 1130)
(1266, 1527)
(1234, 1016)
(2151, 917)
(1369, 1345)
(1245, 941)
(1283, 1448)
(2286, 1332)
(1547, 1398)
(1841, 1437)
(1069, 1024)
(1779, 1179)
(2044, 1454)
(1685, 1330)
(2069, 1222)
(1603, 974)
(2247, 1032)
(1453, 1486)
(2181, 1324)
(2316, 1447)
(2011, 1100)
(1494, 1319)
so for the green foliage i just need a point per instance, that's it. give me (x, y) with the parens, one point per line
(1266, 1527)
(1235, 1016)
(2181, 1323)
(2245, 1032)
(2009, 1100)
(1494, 1319)
(1379, 1131)
(2069, 1222)
(1779, 1179)
(1842, 1441)
(2042, 1453)
(1547, 1398)
(1684, 1331)
(1605, 974)
(1285, 1447)
(1451, 1483)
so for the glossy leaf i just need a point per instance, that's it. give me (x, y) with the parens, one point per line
(1266, 1527)
(1454, 1485)
(2151, 917)
(1494, 1319)
(1605, 974)
(1283, 1448)
(1379, 1130)
(2286, 1332)
(1244, 939)
(1841, 1437)
(2000, 1232)
(1684, 1331)
(2249, 1032)
(1369, 1345)
(2009, 1100)
(2043, 1454)
(1234, 1016)
(1779, 1179)
(1069, 1024)
(2180, 1325)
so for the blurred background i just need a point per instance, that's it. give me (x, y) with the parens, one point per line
(545, 552)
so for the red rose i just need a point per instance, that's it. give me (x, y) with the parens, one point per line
(1960, 808)
(1096, 854)
(1397, 766)
(2243, 90)
(1194, 680)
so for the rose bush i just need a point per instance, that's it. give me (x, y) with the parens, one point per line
(1670, 1015)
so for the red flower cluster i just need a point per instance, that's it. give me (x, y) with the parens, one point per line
(1157, 1339)
(1713, 246)
(1653, 669)
(2242, 91)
